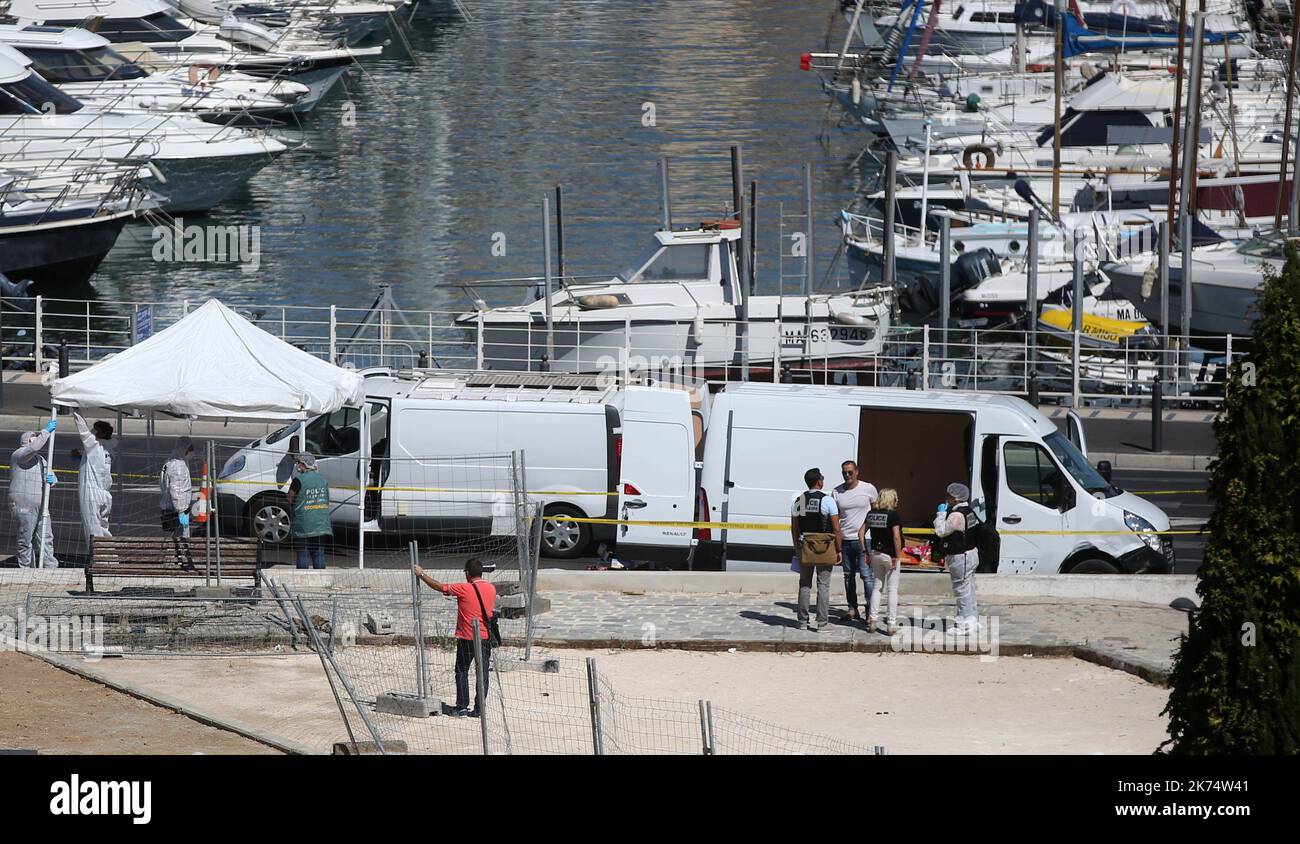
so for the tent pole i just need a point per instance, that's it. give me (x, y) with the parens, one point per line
(38, 542)
(207, 534)
(362, 480)
(121, 494)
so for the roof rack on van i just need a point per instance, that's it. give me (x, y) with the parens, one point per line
(538, 380)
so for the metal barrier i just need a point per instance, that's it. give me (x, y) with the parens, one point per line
(1062, 365)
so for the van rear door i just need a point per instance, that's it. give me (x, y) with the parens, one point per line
(657, 481)
(1074, 427)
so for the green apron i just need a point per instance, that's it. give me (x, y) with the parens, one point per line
(311, 506)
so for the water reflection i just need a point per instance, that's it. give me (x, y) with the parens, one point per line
(452, 152)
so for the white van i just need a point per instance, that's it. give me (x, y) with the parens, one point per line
(1024, 475)
(590, 450)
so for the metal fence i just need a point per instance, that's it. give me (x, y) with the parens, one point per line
(548, 706)
(1073, 366)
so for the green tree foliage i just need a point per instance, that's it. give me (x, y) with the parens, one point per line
(1236, 676)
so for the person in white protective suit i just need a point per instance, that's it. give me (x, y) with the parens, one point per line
(29, 473)
(95, 478)
(177, 490)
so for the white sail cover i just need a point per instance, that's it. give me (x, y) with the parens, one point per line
(214, 364)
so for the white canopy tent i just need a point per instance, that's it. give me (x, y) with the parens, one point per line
(214, 364)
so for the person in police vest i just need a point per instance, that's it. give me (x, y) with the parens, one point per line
(815, 528)
(957, 529)
(309, 513)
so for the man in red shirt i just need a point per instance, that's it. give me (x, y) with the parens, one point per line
(474, 600)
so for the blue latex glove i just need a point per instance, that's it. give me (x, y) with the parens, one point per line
(50, 479)
(185, 519)
(943, 508)
(51, 425)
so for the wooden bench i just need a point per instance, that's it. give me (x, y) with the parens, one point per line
(168, 556)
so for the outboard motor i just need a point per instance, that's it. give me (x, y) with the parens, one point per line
(20, 289)
(971, 268)
(919, 293)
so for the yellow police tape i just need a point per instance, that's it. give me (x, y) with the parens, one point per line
(565, 492)
(709, 525)
(786, 527)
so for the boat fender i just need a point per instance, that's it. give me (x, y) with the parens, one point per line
(849, 318)
(1149, 280)
(987, 160)
(697, 329)
(597, 302)
(196, 74)
(857, 91)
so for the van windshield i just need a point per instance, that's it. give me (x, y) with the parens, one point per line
(277, 435)
(1077, 465)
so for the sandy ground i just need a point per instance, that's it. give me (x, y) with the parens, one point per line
(908, 703)
(52, 711)
(914, 703)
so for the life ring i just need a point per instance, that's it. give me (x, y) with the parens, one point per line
(197, 69)
(968, 157)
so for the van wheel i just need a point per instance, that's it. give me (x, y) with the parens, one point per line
(268, 517)
(564, 538)
(1093, 565)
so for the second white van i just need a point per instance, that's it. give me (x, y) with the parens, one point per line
(1053, 511)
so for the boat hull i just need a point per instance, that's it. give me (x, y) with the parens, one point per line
(617, 347)
(61, 255)
(1217, 309)
(195, 185)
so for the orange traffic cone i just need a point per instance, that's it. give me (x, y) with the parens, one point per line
(200, 509)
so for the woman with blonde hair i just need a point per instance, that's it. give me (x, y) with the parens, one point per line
(886, 553)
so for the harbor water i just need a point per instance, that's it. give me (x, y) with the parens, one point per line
(419, 172)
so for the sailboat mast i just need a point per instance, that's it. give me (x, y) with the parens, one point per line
(1058, 84)
(1286, 123)
(1178, 106)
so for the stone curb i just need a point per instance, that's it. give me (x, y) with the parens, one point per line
(1144, 669)
(1159, 589)
(193, 713)
(1152, 460)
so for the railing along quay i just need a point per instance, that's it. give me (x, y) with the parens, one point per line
(1064, 366)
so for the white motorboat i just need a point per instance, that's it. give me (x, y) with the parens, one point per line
(680, 307)
(350, 20)
(1226, 281)
(983, 26)
(58, 222)
(149, 33)
(194, 164)
(83, 65)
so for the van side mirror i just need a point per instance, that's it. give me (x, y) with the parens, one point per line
(1068, 497)
(1104, 469)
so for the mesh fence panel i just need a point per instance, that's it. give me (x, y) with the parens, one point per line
(647, 726)
(169, 624)
(736, 734)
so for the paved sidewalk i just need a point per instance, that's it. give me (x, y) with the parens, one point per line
(1138, 638)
